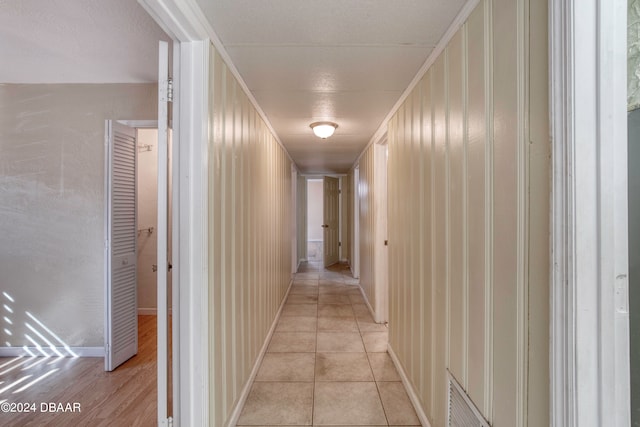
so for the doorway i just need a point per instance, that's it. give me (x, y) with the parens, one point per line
(131, 284)
(315, 221)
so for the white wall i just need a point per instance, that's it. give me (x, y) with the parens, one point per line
(314, 209)
(468, 220)
(52, 207)
(301, 213)
(147, 217)
(633, 57)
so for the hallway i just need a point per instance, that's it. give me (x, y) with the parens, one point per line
(326, 363)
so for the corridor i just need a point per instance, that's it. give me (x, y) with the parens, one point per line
(327, 363)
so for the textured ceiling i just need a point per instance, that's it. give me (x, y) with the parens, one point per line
(342, 60)
(77, 41)
(304, 60)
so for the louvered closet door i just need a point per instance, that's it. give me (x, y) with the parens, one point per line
(122, 322)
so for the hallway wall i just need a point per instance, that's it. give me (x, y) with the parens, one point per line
(52, 203)
(345, 223)
(468, 220)
(301, 212)
(351, 207)
(366, 195)
(249, 236)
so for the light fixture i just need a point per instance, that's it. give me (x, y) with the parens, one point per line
(323, 129)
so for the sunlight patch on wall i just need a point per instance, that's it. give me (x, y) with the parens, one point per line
(38, 365)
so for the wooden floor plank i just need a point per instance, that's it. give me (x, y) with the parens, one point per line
(124, 397)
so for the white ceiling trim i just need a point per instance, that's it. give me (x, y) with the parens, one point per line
(457, 23)
(329, 45)
(178, 19)
(192, 14)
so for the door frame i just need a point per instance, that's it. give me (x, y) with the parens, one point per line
(294, 222)
(355, 241)
(326, 208)
(183, 22)
(589, 324)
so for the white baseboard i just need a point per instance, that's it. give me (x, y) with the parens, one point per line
(411, 391)
(237, 409)
(66, 352)
(366, 301)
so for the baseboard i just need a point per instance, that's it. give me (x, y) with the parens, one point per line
(65, 351)
(366, 301)
(237, 409)
(411, 391)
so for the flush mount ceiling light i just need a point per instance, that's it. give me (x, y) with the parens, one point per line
(323, 129)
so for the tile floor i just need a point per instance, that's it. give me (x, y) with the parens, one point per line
(327, 363)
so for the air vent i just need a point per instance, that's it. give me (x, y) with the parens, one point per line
(462, 411)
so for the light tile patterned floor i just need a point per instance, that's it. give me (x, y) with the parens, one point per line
(327, 363)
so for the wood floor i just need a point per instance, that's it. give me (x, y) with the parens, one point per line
(124, 397)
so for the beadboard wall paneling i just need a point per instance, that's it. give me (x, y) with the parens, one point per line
(468, 217)
(345, 240)
(366, 192)
(249, 236)
(372, 190)
(301, 210)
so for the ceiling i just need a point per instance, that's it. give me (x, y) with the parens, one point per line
(347, 61)
(77, 41)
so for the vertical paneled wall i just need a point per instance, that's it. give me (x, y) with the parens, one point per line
(345, 191)
(366, 194)
(349, 203)
(468, 219)
(249, 236)
(301, 210)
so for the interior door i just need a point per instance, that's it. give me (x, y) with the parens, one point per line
(331, 212)
(164, 409)
(121, 301)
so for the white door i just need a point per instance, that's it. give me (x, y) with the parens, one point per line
(164, 411)
(331, 211)
(121, 302)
